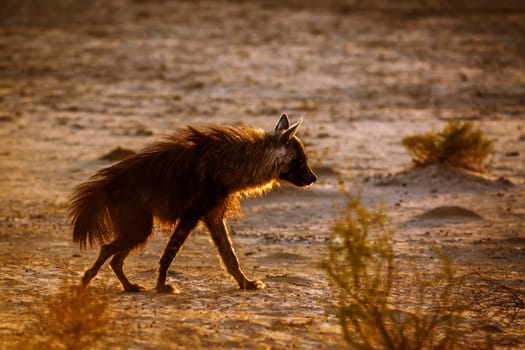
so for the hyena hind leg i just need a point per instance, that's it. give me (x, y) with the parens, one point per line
(132, 227)
(221, 238)
(116, 264)
(106, 251)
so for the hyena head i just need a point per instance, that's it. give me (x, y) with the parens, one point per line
(292, 161)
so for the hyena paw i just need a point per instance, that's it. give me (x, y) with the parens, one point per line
(88, 276)
(134, 288)
(84, 282)
(252, 285)
(168, 289)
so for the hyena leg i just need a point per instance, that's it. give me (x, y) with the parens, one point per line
(106, 251)
(116, 264)
(221, 238)
(132, 227)
(178, 237)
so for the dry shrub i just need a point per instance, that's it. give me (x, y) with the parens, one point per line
(493, 301)
(460, 144)
(76, 318)
(377, 308)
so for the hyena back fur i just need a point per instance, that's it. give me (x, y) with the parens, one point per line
(194, 175)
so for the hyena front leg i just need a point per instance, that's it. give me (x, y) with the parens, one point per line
(182, 231)
(221, 238)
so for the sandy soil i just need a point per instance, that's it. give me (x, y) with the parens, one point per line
(73, 90)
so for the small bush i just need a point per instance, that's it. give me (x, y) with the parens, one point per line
(376, 308)
(76, 318)
(459, 144)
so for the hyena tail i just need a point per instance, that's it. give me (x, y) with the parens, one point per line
(90, 215)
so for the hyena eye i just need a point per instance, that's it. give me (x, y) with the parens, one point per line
(299, 162)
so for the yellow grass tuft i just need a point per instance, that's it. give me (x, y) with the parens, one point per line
(76, 318)
(459, 144)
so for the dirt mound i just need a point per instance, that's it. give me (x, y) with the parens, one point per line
(443, 215)
(450, 213)
(443, 177)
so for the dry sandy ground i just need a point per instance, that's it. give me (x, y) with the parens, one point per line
(72, 92)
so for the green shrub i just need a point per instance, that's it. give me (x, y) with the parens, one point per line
(459, 144)
(377, 307)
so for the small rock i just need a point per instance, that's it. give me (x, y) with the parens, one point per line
(142, 131)
(504, 181)
(6, 118)
(492, 328)
(118, 153)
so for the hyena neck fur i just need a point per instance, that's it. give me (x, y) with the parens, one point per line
(256, 162)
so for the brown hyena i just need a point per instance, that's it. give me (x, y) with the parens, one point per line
(194, 175)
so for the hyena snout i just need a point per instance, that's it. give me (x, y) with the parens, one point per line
(309, 177)
(300, 176)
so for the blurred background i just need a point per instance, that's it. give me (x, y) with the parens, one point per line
(93, 75)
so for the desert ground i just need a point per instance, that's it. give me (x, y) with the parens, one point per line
(78, 83)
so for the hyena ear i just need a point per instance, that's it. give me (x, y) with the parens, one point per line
(283, 123)
(290, 133)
